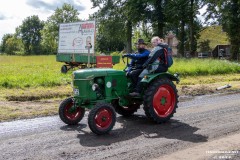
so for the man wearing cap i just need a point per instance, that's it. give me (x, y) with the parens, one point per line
(138, 59)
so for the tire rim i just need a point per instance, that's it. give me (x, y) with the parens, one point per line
(164, 101)
(70, 113)
(103, 118)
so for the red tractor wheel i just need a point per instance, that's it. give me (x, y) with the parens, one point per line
(102, 118)
(161, 100)
(69, 114)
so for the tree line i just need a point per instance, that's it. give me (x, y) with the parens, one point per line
(122, 22)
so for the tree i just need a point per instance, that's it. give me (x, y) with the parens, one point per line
(126, 13)
(143, 31)
(4, 40)
(181, 15)
(30, 34)
(226, 13)
(192, 33)
(162, 16)
(65, 14)
(158, 17)
(204, 46)
(177, 12)
(13, 46)
(110, 37)
(49, 39)
(194, 24)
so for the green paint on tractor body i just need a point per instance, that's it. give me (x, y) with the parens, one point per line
(94, 85)
(98, 85)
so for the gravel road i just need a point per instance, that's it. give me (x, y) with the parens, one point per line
(204, 127)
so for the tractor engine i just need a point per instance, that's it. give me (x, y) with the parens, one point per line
(92, 85)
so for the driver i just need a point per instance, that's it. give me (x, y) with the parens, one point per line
(137, 60)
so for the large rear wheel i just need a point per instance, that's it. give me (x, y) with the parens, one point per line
(102, 118)
(69, 114)
(160, 100)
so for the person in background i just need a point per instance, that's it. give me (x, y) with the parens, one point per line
(137, 60)
(156, 62)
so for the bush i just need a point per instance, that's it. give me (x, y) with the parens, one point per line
(115, 53)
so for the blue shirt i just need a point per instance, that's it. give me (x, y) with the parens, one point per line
(138, 59)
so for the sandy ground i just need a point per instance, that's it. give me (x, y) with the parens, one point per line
(223, 148)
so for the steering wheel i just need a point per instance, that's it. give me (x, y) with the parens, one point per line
(124, 60)
(126, 66)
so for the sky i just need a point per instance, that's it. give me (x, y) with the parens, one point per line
(13, 12)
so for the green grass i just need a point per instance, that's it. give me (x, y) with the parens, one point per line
(198, 67)
(43, 71)
(31, 71)
(33, 86)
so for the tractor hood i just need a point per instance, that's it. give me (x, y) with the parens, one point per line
(96, 72)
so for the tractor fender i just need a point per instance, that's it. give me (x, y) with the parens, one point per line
(150, 77)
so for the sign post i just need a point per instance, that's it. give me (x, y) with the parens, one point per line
(89, 46)
(76, 47)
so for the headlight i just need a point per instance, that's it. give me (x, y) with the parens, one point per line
(76, 91)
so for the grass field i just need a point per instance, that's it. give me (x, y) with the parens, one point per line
(31, 71)
(199, 67)
(44, 71)
(28, 83)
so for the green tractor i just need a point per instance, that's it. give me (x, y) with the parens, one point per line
(106, 91)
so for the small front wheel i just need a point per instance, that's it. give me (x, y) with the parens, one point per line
(69, 114)
(102, 118)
